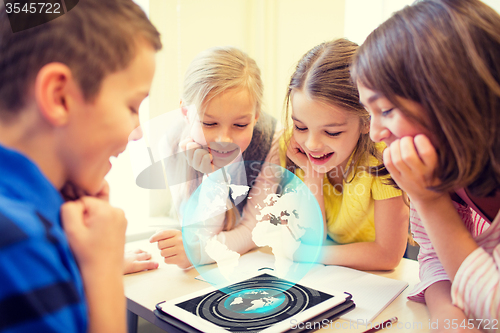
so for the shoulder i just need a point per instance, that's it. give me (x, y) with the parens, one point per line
(18, 222)
(380, 188)
(264, 130)
(264, 133)
(372, 160)
(41, 278)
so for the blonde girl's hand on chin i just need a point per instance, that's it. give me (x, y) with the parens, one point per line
(412, 163)
(197, 156)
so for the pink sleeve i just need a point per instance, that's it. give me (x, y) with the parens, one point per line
(430, 268)
(476, 288)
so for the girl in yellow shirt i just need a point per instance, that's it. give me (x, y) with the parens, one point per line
(329, 148)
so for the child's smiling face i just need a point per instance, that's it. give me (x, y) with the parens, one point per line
(326, 133)
(227, 123)
(387, 122)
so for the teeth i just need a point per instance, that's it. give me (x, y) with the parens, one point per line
(319, 156)
(222, 152)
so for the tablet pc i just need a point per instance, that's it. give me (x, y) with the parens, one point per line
(262, 303)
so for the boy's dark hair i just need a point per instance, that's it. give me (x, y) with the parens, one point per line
(94, 39)
(444, 55)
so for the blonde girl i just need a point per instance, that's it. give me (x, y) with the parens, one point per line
(220, 123)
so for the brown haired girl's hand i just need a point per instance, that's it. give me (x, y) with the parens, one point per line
(197, 156)
(412, 163)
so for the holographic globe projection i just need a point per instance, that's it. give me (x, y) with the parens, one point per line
(289, 221)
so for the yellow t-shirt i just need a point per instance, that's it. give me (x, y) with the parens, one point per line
(349, 208)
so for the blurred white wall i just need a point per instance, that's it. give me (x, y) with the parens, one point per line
(363, 16)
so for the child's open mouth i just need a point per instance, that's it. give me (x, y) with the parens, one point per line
(320, 159)
(223, 153)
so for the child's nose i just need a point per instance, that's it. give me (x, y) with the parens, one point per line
(378, 132)
(313, 143)
(136, 134)
(224, 136)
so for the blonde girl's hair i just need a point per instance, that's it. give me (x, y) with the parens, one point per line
(444, 55)
(211, 73)
(323, 74)
(219, 69)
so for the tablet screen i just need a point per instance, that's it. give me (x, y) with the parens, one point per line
(253, 305)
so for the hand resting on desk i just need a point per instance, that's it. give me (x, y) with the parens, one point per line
(172, 248)
(138, 260)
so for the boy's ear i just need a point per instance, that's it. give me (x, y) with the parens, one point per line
(51, 92)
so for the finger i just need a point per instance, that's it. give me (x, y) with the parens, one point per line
(396, 158)
(163, 234)
(182, 263)
(72, 217)
(142, 256)
(183, 143)
(138, 251)
(409, 154)
(191, 148)
(389, 165)
(198, 156)
(144, 265)
(426, 151)
(93, 206)
(170, 252)
(207, 163)
(166, 243)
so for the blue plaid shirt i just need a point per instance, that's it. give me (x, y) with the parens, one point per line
(41, 288)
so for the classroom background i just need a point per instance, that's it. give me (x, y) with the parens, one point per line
(276, 33)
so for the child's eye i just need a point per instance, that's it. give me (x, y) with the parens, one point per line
(241, 126)
(333, 134)
(209, 124)
(386, 112)
(301, 129)
(133, 110)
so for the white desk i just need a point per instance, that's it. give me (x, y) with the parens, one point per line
(145, 289)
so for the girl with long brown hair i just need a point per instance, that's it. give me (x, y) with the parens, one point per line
(430, 79)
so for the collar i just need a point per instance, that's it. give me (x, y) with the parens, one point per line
(22, 180)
